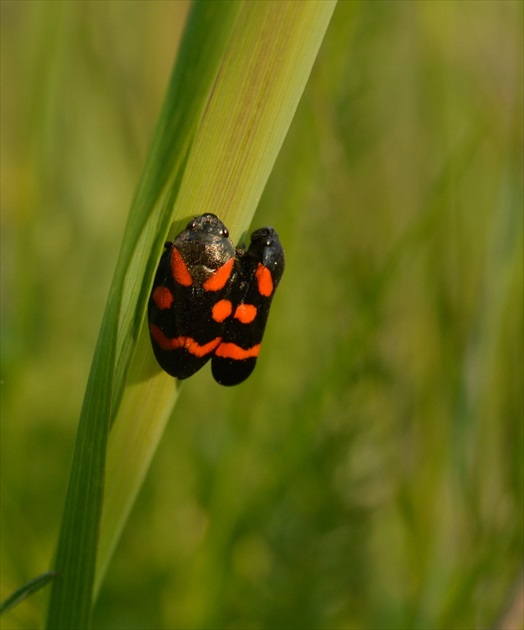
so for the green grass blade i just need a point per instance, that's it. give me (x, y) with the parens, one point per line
(240, 73)
(71, 596)
(261, 78)
(27, 589)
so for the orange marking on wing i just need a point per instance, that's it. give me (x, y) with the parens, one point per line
(218, 279)
(179, 269)
(221, 310)
(188, 343)
(264, 280)
(245, 313)
(232, 351)
(195, 348)
(163, 298)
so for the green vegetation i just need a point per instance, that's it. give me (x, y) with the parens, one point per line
(370, 473)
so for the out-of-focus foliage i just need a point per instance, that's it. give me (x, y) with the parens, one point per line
(369, 473)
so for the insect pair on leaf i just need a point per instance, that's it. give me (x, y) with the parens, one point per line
(211, 301)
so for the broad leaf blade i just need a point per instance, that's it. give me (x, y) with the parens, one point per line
(71, 596)
(258, 86)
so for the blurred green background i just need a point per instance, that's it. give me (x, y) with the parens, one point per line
(370, 473)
